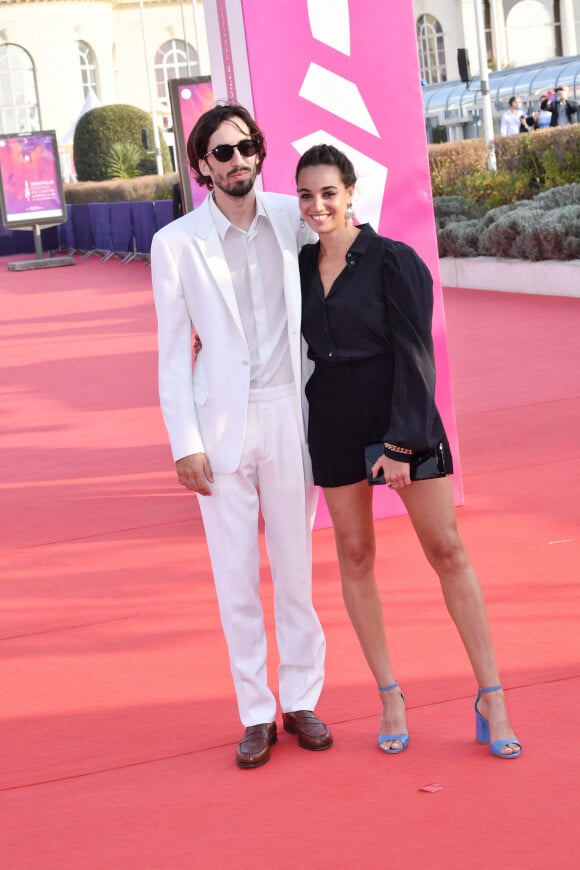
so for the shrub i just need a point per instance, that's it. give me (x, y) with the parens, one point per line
(123, 160)
(559, 196)
(560, 234)
(533, 153)
(495, 214)
(561, 167)
(144, 187)
(546, 227)
(460, 239)
(509, 235)
(451, 162)
(527, 164)
(532, 199)
(491, 189)
(99, 129)
(533, 234)
(450, 209)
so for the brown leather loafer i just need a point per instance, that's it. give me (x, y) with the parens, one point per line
(312, 733)
(254, 747)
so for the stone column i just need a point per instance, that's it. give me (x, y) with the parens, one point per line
(568, 28)
(468, 33)
(498, 34)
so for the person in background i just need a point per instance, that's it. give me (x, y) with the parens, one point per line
(564, 111)
(543, 118)
(367, 305)
(510, 124)
(228, 273)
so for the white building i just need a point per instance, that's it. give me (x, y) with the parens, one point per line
(55, 53)
(517, 32)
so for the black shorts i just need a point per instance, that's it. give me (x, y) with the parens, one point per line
(349, 407)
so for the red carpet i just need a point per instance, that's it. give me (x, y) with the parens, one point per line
(118, 718)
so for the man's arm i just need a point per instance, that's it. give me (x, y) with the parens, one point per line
(175, 343)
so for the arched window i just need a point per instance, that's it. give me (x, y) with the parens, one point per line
(88, 69)
(530, 33)
(431, 49)
(19, 112)
(174, 59)
(81, 75)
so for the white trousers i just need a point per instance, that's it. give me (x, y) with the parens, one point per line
(273, 475)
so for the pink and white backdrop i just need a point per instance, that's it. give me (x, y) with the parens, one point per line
(343, 72)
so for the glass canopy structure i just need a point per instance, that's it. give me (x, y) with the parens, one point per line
(453, 109)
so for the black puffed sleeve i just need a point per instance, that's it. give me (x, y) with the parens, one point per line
(408, 289)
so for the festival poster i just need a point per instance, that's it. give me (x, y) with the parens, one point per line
(316, 71)
(31, 186)
(189, 99)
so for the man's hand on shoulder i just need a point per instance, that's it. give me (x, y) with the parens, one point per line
(194, 472)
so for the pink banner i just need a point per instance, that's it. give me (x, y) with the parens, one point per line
(226, 44)
(347, 73)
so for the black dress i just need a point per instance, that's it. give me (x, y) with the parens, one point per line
(370, 340)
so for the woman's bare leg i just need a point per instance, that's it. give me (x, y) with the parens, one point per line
(351, 511)
(432, 512)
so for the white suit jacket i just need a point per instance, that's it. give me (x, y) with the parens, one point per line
(205, 406)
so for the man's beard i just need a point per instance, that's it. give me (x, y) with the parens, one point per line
(239, 188)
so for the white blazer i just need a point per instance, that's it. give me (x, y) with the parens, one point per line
(205, 405)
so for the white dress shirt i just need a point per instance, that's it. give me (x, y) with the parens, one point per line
(510, 123)
(255, 263)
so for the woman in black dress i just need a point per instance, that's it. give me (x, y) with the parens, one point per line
(366, 316)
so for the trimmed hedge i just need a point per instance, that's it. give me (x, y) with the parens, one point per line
(532, 199)
(546, 227)
(98, 130)
(526, 165)
(144, 187)
(450, 209)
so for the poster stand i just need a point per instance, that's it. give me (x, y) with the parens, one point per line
(31, 191)
(40, 262)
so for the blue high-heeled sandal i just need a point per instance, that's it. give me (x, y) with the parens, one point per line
(385, 738)
(482, 730)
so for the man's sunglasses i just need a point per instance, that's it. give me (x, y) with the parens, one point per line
(223, 153)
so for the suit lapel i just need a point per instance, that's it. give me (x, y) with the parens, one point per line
(211, 249)
(212, 252)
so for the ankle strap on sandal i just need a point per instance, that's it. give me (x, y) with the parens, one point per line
(490, 689)
(388, 688)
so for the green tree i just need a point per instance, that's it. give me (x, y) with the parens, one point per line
(102, 128)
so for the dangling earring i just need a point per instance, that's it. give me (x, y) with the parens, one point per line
(302, 222)
(349, 215)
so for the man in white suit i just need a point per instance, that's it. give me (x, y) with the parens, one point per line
(228, 271)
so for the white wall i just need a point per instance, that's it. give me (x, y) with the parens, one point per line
(458, 21)
(113, 30)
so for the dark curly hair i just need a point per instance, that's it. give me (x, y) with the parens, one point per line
(206, 126)
(328, 155)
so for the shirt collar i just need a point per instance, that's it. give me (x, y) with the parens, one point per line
(360, 245)
(223, 224)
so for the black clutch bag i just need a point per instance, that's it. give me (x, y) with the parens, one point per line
(423, 466)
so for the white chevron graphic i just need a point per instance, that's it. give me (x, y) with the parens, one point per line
(337, 95)
(329, 23)
(372, 176)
